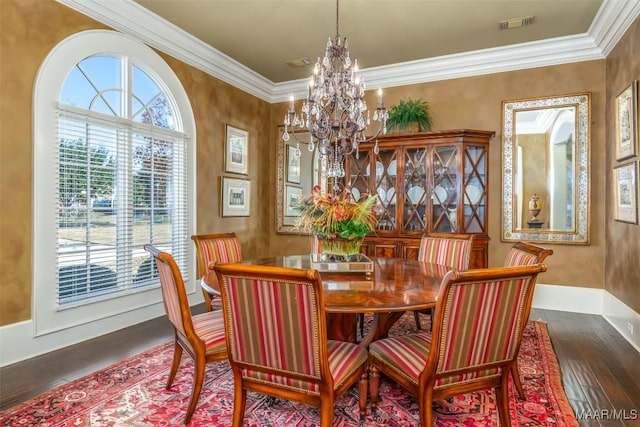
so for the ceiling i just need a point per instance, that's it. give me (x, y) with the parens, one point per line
(264, 35)
(247, 43)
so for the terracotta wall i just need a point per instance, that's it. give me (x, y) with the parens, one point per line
(476, 103)
(29, 30)
(622, 274)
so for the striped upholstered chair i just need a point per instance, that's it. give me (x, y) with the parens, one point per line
(212, 248)
(446, 249)
(279, 346)
(522, 253)
(202, 335)
(477, 330)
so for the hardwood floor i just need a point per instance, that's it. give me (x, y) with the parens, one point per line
(600, 370)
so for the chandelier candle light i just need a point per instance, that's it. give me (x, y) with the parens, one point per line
(335, 112)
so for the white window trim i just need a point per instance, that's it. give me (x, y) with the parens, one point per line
(48, 85)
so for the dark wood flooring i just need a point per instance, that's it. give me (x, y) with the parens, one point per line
(600, 370)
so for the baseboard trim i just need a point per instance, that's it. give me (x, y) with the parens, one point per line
(568, 298)
(590, 301)
(620, 316)
(20, 344)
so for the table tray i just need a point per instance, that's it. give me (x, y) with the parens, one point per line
(358, 263)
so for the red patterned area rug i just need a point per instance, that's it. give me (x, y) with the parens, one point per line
(132, 393)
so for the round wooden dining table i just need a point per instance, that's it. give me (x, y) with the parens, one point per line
(395, 285)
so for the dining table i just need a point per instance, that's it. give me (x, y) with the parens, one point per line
(395, 285)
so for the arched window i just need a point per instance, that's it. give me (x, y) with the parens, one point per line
(113, 166)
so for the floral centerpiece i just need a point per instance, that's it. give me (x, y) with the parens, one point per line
(339, 223)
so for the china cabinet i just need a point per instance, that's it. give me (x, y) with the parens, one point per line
(425, 182)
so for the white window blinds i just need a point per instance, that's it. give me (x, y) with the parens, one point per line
(121, 184)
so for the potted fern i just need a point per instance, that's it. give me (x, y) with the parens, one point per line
(405, 113)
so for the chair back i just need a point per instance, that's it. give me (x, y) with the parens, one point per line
(448, 249)
(174, 294)
(216, 248)
(479, 318)
(522, 253)
(275, 325)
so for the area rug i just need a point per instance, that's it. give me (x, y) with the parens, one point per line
(132, 393)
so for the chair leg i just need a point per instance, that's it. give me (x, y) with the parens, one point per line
(198, 379)
(516, 380)
(362, 395)
(374, 383)
(239, 400)
(426, 410)
(177, 355)
(416, 317)
(502, 399)
(207, 300)
(326, 412)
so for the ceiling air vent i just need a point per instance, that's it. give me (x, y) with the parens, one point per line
(298, 62)
(516, 23)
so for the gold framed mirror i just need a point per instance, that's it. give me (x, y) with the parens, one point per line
(298, 171)
(545, 169)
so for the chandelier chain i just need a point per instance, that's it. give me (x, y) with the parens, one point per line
(337, 18)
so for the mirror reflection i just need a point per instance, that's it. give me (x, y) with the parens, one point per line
(298, 171)
(545, 168)
(545, 158)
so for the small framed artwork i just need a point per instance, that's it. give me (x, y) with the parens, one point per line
(626, 122)
(236, 150)
(293, 164)
(292, 197)
(625, 192)
(236, 196)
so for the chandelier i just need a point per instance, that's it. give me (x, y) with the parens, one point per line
(335, 113)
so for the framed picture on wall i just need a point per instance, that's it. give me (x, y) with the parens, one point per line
(626, 110)
(236, 150)
(236, 196)
(292, 197)
(625, 192)
(293, 164)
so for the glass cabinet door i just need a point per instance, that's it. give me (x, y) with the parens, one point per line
(415, 185)
(475, 189)
(444, 196)
(359, 175)
(386, 171)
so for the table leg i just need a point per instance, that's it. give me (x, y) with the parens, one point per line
(380, 326)
(341, 327)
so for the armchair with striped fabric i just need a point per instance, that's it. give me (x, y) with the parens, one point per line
(277, 343)
(445, 249)
(201, 335)
(213, 248)
(523, 253)
(478, 324)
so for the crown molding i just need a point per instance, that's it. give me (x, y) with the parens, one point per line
(609, 25)
(611, 22)
(556, 51)
(130, 18)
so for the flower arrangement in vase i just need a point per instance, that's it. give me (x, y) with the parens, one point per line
(339, 223)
